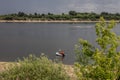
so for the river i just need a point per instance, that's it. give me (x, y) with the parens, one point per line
(18, 40)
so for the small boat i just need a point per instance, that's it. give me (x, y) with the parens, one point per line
(58, 54)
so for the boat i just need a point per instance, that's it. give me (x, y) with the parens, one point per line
(58, 54)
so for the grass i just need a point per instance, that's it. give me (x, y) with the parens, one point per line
(69, 69)
(36, 69)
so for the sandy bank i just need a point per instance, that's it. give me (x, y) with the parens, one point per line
(46, 21)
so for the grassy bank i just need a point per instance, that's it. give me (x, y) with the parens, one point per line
(69, 69)
(36, 68)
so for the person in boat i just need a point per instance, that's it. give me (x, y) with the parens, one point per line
(62, 53)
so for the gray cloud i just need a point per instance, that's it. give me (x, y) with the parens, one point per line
(58, 6)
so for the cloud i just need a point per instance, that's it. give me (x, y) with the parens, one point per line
(59, 6)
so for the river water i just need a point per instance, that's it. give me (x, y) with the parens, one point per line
(18, 40)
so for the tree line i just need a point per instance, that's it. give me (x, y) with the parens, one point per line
(71, 15)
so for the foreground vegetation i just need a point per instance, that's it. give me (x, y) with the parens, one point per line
(71, 15)
(34, 68)
(101, 63)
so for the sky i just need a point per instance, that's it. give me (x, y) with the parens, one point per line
(59, 6)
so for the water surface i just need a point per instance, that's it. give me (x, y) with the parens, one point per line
(21, 39)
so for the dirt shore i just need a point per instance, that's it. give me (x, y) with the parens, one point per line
(55, 21)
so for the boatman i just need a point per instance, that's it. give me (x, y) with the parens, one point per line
(62, 53)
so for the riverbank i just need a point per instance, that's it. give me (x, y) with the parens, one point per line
(51, 21)
(3, 65)
(68, 68)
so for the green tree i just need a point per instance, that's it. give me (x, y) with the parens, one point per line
(99, 63)
(72, 13)
(50, 13)
(8, 17)
(35, 14)
(21, 14)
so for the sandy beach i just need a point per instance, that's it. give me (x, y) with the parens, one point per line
(46, 21)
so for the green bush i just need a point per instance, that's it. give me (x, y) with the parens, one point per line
(34, 68)
(99, 63)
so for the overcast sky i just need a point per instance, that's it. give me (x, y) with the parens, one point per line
(59, 6)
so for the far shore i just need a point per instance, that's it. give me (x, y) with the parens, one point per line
(51, 21)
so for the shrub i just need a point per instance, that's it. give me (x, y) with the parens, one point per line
(34, 68)
(99, 63)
